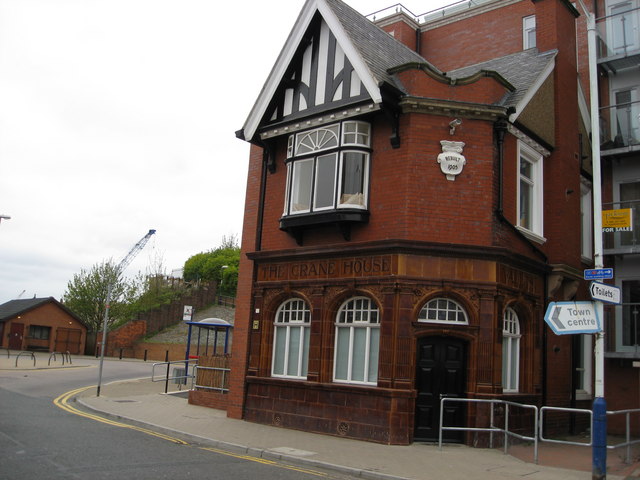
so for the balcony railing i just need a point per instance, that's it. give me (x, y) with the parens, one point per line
(454, 7)
(619, 37)
(620, 125)
(623, 242)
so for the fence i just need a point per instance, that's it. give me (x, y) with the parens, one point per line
(505, 431)
(538, 427)
(212, 373)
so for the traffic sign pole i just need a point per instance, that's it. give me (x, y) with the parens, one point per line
(599, 455)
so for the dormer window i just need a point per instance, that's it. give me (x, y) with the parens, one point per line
(327, 172)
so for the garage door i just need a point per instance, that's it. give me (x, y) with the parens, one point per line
(68, 340)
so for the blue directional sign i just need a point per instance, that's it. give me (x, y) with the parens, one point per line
(598, 274)
(572, 317)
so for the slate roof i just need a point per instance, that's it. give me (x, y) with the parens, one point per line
(381, 52)
(521, 69)
(13, 308)
(378, 49)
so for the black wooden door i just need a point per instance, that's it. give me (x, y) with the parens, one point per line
(440, 372)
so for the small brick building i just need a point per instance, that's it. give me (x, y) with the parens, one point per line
(413, 204)
(41, 324)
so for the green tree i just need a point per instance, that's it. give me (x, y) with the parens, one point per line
(219, 265)
(86, 295)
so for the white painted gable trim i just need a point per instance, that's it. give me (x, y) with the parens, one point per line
(368, 80)
(286, 55)
(522, 104)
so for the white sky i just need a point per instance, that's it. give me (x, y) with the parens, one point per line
(117, 116)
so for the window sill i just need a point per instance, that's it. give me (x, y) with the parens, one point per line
(534, 237)
(343, 218)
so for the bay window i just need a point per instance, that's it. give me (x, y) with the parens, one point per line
(328, 169)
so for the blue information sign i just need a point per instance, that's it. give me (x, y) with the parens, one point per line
(598, 274)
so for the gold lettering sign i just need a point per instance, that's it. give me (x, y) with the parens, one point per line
(517, 279)
(348, 267)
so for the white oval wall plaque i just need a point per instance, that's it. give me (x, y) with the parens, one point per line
(451, 159)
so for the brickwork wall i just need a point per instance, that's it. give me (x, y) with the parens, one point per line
(125, 337)
(215, 400)
(244, 302)
(477, 38)
(333, 409)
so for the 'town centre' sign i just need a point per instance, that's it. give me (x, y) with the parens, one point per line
(572, 317)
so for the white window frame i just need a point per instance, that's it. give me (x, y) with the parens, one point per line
(584, 368)
(293, 315)
(443, 310)
(535, 227)
(528, 28)
(511, 337)
(321, 143)
(355, 314)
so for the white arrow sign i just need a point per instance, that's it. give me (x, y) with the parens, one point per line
(572, 317)
(605, 293)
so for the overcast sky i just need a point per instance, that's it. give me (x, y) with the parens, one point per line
(118, 116)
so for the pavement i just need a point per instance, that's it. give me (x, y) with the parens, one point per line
(144, 403)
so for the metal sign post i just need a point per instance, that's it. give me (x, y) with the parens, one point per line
(599, 456)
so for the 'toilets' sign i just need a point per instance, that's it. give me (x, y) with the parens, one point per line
(572, 317)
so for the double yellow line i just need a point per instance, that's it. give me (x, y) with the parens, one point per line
(63, 402)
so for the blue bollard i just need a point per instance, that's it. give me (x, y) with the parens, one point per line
(599, 463)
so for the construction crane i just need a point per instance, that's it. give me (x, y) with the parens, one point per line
(124, 263)
(118, 271)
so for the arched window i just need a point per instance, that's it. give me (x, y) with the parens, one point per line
(291, 339)
(443, 310)
(357, 342)
(510, 351)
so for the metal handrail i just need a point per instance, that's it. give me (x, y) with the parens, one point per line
(26, 353)
(570, 410)
(628, 442)
(166, 377)
(224, 371)
(492, 428)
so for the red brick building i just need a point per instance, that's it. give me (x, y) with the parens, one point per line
(413, 205)
(41, 324)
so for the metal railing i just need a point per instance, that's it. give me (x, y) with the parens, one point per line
(505, 431)
(567, 410)
(223, 380)
(453, 7)
(539, 417)
(618, 34)
(620, 123)
(628, 441)
(179, 374)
